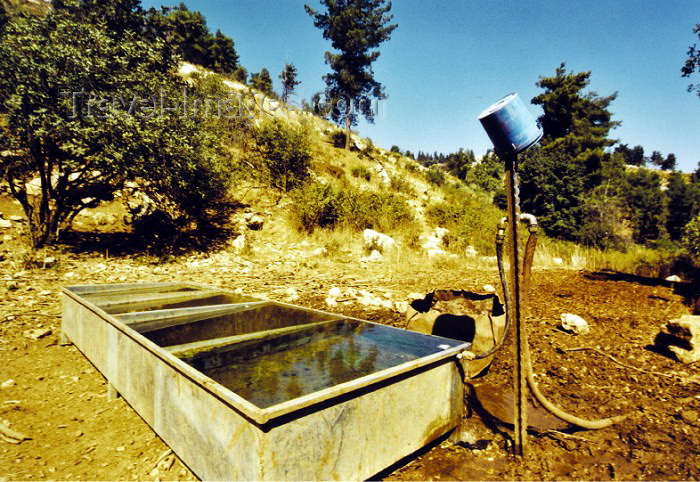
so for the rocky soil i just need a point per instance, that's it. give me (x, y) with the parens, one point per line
(54, 396)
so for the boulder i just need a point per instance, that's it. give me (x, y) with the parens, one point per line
(682, 337)
(374, 240)
(374, 257)
(574, 324)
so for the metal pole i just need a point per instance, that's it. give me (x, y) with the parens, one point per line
(519, 374)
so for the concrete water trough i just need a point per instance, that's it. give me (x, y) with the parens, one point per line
(242, 388)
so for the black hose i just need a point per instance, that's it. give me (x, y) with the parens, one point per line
(553, 409)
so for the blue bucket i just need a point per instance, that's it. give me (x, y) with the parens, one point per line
(510, 126)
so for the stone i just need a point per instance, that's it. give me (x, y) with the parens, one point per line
(489, 289)
(8, 237)
(574, 324)
(8, 383)
(319, 251)
(255, 223)
(5, 223)
(239, 243)
(690, 416)
(557, 261)
(37, 333)
(374, 257)
(435, 252)
(17, 219)
(49, 261)
(674, 279)
(291, 295)
(682, 337)
(377, 241)
(334, 292)
(471, 251)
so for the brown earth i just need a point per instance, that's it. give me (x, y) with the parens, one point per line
(59, 399)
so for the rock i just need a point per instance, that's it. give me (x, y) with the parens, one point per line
(292, 295)
(37, 333)
(239, 243)
(17, 219)
(489, 289)
(319, 252)
(5, 224)
(49, 261)
(674, 279)
(8, 383)
(558, 261)
(400, 306)
(45, 293)
(682, 337)
(334, 292)
(8, 237)
(12, 285)
(415, 296)
(470, 252)
(331, 301)
(574, 324)
(255, 223)
(435, 252)
(374, 257)
(690, 416)
(374, 240)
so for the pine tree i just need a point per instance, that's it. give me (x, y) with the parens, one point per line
(263, 82)
(683, 204)
(355, 28)
(669, 164)
(556, 176)
(657, 159)
(289, 81)
(692, 63)
(645, 202)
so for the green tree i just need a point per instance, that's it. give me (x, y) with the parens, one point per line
(487, 173)
(289, 81)
(81, 119)
(571, 161)
(284, 152)
(645, 204)
(683, 204)
(222, 56)
(459, 163)
(656, 159)
(241, 74)
(263, 82)
(552, 188)
(669, 164)
(633, 156)
(188, 33)
(355, 28)
(692, 63)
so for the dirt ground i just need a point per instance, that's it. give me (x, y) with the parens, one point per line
(52, 394)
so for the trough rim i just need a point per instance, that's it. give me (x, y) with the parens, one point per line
(249, 410)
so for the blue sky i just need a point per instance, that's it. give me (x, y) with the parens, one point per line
(450, 59)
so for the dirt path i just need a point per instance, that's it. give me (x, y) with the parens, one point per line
(59, 400)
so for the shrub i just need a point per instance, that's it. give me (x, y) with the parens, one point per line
(435, 175)
(362, 172)
(319, 205)
(285, 153)
(399, 184)
(470, 223)
(691, 237)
